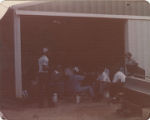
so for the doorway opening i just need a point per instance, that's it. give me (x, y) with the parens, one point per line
(87, 42)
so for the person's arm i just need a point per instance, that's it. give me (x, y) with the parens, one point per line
(105, 78)
(79, 77)
(98, 78)
(123, 78)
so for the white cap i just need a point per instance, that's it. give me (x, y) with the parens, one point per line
(45, 50)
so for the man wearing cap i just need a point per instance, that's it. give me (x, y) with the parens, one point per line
(43, 63)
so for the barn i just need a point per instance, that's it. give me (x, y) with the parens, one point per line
(86, 32)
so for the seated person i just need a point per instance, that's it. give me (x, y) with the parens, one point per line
(132, 66)
(76, 69)
(118, 81)
(104, 81)
(57, 80)
(74, 83)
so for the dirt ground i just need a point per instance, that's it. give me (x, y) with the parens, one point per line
(66, 111)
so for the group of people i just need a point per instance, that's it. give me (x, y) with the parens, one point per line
(70, 79)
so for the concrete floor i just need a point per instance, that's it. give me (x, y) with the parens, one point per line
(66, 111)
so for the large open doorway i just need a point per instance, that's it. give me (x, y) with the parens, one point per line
(87, 42)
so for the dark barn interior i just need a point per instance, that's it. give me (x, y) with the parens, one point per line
(87, 42)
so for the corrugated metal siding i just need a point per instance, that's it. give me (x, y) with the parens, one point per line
(118, 7)
(139, 8)
(7, 55)
(139, 42)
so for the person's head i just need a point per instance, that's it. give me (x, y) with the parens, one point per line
(128, 55)
(69, 71)
(122, 69)
(45, 51)
(76, 69)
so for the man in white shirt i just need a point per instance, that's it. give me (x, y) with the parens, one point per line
(43, 63)
(118, 81)
(119, 77)
(104, 81)
(104, 76)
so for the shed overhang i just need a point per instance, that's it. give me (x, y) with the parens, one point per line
(108, 7)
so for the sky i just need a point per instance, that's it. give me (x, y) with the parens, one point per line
(1, 0)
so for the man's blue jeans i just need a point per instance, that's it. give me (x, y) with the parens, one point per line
(86, 88)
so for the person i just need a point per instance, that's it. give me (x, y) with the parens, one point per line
(76, 69)
(132, 66)
(104, 81)
(57, 80)
(74, 83)
(68, 71)
(43, 74)
(118, 82)
(34, 90)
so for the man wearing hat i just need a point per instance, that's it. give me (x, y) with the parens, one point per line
(43, 63)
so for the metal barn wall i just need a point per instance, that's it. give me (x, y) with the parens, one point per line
(139, 42)
(124, 7)
(7, 56)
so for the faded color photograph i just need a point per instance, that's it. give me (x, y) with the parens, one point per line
(75, 60)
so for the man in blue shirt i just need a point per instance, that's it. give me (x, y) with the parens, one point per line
(75, 83)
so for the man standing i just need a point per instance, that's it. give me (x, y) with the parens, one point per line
(43, 63)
